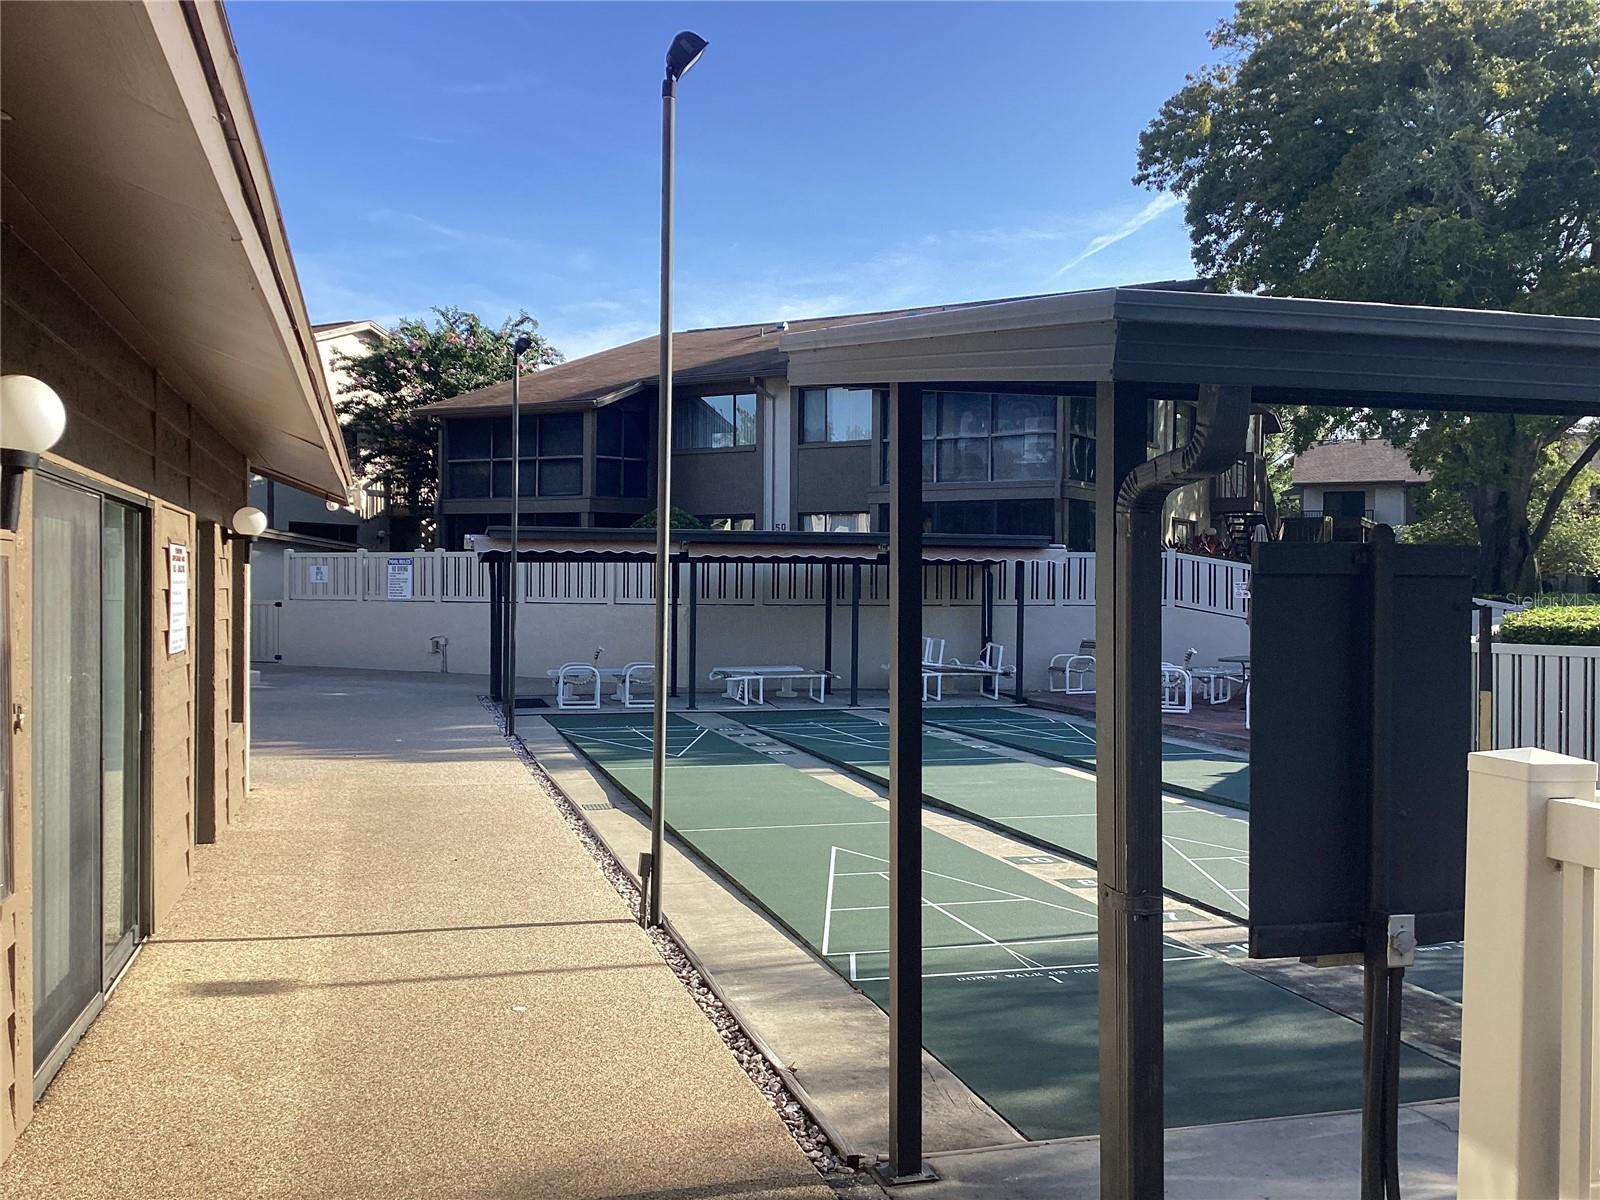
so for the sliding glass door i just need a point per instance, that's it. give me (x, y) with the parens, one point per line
(88, 623)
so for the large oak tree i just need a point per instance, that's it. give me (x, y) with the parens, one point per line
(1443, 152)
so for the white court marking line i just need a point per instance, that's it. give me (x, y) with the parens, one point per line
(827, 907)
(984, 887)
(809, 825)
(1175, 837)
(1021, 958)
(951, 903)
(1233, 894)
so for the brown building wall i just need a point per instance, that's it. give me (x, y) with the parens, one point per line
(131, 434)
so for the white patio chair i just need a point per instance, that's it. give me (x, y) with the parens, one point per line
(572, 678)
(1076, 670)
(1177, 689)
(638, 674)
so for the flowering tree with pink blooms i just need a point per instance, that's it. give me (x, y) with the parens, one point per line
(420, 363)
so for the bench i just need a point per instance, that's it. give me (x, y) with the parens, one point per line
(747, 685)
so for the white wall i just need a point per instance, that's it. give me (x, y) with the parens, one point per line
(395, 635)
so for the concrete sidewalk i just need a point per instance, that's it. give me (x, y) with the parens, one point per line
(400, 975)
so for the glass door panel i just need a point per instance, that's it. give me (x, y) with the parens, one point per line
(121, 657)
(66, 760)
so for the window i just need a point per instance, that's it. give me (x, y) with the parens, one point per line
(729, 521)
(1344, 504)
(835, 522)
(479, 456)
(1081, 439)
(983, 437)
(714, 422)
(835, 414)
(1032, 518)
(1080, 524)
(621, 450)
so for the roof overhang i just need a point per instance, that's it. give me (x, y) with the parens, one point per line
(1286, 350)
(132, 165)
(714, 545)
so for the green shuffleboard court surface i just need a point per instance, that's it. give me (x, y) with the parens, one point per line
(1206, 853)
(1010, 991)
(1213, 775)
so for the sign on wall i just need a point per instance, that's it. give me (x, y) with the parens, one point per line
(319, 573)
(399, 579)
(177, 598)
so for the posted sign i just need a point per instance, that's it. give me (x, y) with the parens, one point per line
(399, 579)
(177, 598)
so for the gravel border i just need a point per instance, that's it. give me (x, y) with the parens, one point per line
(829, 1160)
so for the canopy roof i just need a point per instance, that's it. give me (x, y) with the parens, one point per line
(1286, 350)
(719, 545)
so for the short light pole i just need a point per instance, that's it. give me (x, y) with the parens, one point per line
(684, 52)
(518, 349)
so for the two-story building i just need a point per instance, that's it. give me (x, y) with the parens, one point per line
(752, 452)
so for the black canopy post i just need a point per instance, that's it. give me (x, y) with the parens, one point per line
(672, 634)
(1022, 576)
(827, 616)
(496, 628)
(1128, 786)
(905, 785)
(694, 623)
(855, 633)
(986, 621)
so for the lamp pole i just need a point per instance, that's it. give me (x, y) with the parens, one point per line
(684, 52)
(518, 349)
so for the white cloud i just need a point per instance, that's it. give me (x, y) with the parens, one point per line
(1160, 204)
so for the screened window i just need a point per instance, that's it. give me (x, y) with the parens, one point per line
(714, 422)
(982, 437)
(621, 451)
(835, 522)
(835, 414)
(479, 451)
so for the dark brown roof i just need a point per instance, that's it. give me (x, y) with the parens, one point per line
(1354, 460)
(729, 354)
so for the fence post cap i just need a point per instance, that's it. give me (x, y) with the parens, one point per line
(1531, 764)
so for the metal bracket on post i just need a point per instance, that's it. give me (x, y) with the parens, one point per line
(646, 870)
(1402, 943)
(1128, 628)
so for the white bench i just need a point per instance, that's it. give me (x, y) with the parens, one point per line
(579, 684)
(748, 685)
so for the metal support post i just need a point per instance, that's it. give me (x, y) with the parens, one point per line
(694, 624)
(855, 633)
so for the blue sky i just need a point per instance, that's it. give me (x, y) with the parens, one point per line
(831, 157)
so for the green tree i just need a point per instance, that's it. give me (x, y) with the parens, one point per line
(1422, 153)
(1572, 542)
(418, 364)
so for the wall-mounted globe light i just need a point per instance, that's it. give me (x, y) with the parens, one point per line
(32, 419)
(249, 522)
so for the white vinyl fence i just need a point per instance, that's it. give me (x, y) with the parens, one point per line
(1546, 696)
(388, 611)
(1530, 1061)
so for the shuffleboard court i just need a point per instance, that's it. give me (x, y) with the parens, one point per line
(1010, 992)
(1205, 774)
(1206, 854)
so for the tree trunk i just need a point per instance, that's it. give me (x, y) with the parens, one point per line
(1505, 547)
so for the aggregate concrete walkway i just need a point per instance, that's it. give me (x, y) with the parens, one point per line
(400, 975)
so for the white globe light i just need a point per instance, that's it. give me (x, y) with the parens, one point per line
(32, 417)
(249, 522)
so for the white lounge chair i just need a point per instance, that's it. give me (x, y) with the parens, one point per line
(989, 669)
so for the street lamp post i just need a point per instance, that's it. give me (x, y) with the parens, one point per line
(518, 349)
(684, 52)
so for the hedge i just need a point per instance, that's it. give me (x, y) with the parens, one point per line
(1555, 625)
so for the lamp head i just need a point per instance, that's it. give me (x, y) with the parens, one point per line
(684, 52)
(32, 417)
(521, 346)
(249, 522)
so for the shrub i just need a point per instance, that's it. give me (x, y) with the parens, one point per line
(1555, 625)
